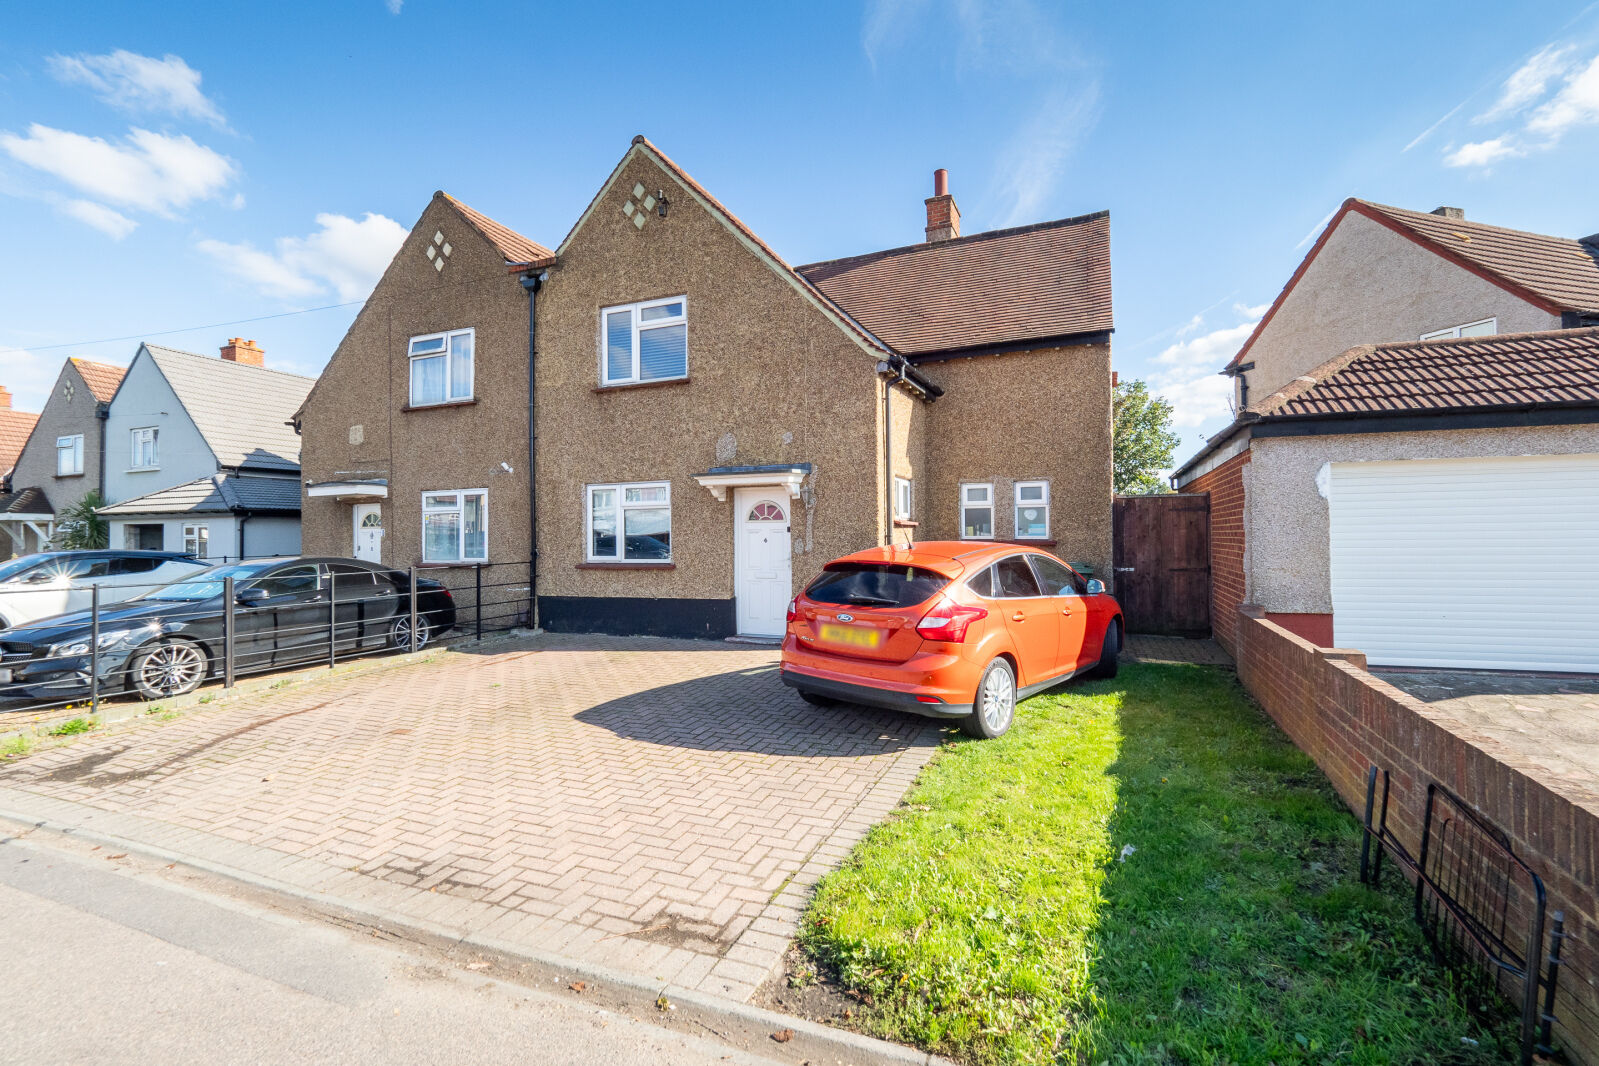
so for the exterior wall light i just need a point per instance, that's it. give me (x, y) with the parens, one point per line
(660, 202)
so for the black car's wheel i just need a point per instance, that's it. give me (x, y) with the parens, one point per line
(400, 633)
(816, 699)
(994, 708)
(173, 667)
(1108, 652)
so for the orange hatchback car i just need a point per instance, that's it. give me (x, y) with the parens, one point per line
(949, 629)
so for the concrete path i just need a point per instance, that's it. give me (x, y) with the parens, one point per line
(658, 807)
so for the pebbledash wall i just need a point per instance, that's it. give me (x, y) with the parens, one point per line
(1347, 720)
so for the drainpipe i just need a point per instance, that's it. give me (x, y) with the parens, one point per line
(244, 516)
(894, 367)
(532, 283)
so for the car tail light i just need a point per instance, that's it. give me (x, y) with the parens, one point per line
(948, 621)
(793, 610)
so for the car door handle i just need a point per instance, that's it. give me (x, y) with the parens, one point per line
(1018, 617)
(1065, 610)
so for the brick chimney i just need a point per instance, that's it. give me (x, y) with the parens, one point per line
(5, 398)
(1450, 212)
(238, 350)
(943, 217)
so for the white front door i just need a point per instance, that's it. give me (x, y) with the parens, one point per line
(369, 532)
(761, 560)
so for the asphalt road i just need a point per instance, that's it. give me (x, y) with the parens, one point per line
(106, 961)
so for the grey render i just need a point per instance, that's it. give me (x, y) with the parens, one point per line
(70, 410)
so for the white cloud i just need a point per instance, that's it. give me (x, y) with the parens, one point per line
(1190, 374)
(1192, 324)
(1032, 163)
(1256, 312)
(1316, 232)
(139, 83)
(343, 254)
(1576, 104)
(394, 6)
(29, 376)
(1529, 82)
(152, 171)
(113, 224)
(1484, 153)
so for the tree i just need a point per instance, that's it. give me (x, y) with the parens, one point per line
(1142, 441)
(80, 527)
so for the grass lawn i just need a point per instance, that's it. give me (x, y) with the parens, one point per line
(1143, 870)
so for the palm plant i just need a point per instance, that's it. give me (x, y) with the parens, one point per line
(81, 527)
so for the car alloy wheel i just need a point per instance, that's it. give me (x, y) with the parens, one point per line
(171, 669)
(998, 701)
(400, 635)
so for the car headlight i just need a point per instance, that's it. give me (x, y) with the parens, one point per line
(81, 647)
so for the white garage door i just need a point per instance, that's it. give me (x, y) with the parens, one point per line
(1472, 563)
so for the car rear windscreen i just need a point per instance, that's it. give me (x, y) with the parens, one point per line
(876, 585)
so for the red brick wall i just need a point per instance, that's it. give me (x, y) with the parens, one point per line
(1316, 628)
(1225, 484)
(1347, 720)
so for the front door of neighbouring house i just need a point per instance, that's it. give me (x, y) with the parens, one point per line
(761, 560)
(369, 532)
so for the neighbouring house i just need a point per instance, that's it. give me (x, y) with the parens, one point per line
(22, 510)
(202, 455)
(62, 460)
(1430, 503)
(1380, 275)
(712, 424)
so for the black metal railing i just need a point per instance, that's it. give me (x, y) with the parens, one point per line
(1482, 908)
(348, 613)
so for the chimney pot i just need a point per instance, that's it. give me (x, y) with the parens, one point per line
(943, 217)
(1450, 212)
(239, 350)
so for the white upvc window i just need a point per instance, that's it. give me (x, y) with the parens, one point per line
(69, 455)
(441, 367)
(629, 523)
(455, 526)
(145, 454)
(644, 341)
(1486, 327)
(1032, 510)
(977, 512)
(197, 540)
(902, 498)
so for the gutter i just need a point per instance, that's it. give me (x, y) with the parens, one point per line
(532, 282)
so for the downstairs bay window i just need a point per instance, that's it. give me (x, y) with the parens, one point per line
(455, 526)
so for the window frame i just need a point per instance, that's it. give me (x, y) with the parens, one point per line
(135, 438)
(458, 508)
(75, 449)
(1452, 332)
(201, 532)
(1016, 509)
(638, 326)
(965, 504)
(620, 512)
(447, 353)
(999, 589)
(904, 497)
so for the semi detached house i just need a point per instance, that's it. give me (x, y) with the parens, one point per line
(710, 424)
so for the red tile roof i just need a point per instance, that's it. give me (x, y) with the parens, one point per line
(517, 249)
(1006, 286)
(102, 378)
(1551, 368)
(1562, 271)
(14, 429)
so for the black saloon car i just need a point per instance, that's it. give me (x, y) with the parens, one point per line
(168, 641)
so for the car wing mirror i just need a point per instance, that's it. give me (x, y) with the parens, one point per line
(250, 595)
(1096, 587)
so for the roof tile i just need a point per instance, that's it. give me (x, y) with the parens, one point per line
(102, 378)
(516, 249)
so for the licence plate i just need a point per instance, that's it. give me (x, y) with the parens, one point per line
(854, 636)
(5, 675)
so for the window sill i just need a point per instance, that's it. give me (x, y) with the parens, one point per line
(905, 523)
(143, 470)
(1037, 542)
(623, 565)
(463, 565)
(436, 406)
(68, 477)
(642, 384)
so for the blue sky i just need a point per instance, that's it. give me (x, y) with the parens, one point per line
(166, 166)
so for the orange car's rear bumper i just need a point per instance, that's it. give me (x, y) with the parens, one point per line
(932, 684)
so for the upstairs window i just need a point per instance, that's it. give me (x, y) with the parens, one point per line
(69, 455)
(455, 526)
(644, 342)
(441, 368)
(630, 523)
(977, 512)
(1032, 510)
(1485, 328)
(145, 455)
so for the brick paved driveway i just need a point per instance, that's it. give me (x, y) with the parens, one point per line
(658, 806)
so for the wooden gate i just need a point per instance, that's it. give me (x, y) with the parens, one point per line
(1162, 553)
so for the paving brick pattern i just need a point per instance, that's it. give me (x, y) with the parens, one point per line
(657, 806)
